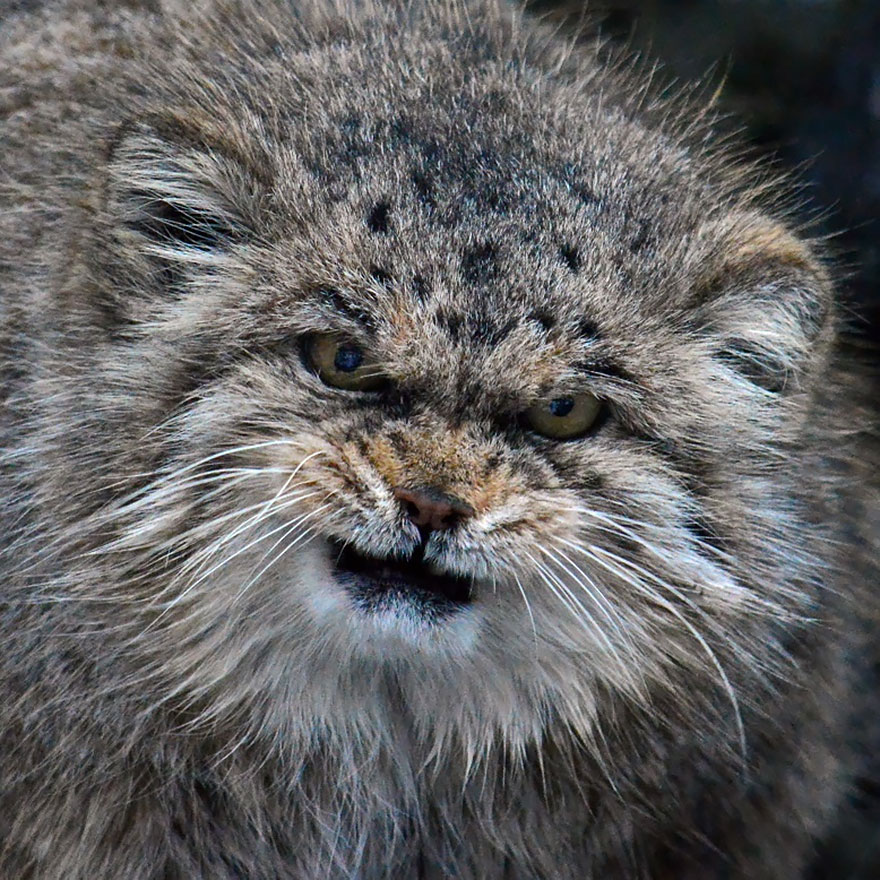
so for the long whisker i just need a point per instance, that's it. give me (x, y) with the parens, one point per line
(528, 610)
(201, 576)
(297, 540)
(618, 566)
(263, 509)
(561, 590)
(592, 589)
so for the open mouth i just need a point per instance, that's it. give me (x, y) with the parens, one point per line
(378, 584)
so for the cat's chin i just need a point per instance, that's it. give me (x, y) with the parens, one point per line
(384, 607)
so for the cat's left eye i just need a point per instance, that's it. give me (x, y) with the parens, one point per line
(564, 418)
(343, 363)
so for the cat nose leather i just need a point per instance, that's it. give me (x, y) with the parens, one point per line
(430, 509)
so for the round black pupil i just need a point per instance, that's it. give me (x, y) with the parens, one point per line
(348, 359)
(562, 406)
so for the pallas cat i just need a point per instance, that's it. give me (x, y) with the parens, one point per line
(423, 453)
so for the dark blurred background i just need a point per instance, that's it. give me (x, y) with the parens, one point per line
(803, 79)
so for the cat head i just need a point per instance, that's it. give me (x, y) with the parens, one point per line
(448, 390)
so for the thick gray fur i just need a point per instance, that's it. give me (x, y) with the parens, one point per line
(665, 668)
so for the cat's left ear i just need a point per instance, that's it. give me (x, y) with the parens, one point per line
(766, 298)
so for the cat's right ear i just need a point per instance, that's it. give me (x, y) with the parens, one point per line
(179, 200)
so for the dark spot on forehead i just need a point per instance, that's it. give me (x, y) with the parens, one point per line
(380, 276)
(640, 239)
(492, 462)
(378, 219)
(480, 264)
(497, 198)
(585, 195)
(449, 321)
(588, 330)
(543, 318)
(570, 256)
(421, 288)
(424, 189)
(401, 131)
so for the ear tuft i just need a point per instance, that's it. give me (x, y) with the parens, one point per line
(172, 225)
(174, 198)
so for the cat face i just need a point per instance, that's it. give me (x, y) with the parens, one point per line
(486, 402)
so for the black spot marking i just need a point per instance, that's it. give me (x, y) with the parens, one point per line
(587, 330)
(421, 288)
(492, 463)
(379, 218)
(424, 189)
(401, 130)
(571, 257)
(432, 151)
(380, 276)
(585, 195)
(544, 319)
(450, 322)
(640, 239)
(480, 265)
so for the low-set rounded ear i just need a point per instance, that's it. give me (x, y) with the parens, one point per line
(177, 199)
(764, 295)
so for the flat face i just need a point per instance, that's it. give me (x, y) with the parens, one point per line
(446, 370)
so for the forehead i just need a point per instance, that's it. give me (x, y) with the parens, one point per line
(474, 221)
(486, 192)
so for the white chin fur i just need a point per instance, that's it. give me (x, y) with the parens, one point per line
(386, 634)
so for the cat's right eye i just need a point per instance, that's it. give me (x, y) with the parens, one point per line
(564, 418)
(343, 363)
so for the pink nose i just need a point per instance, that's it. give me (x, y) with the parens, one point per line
(430, 509)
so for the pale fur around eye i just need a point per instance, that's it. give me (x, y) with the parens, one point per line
(343, 363)
(564, 418)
